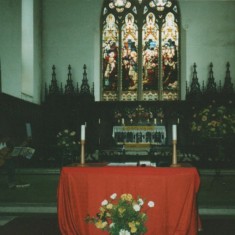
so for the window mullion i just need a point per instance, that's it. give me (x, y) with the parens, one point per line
(160, 85)
(140, 61)
(120, 63)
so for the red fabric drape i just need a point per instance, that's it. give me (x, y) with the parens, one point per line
(82, 189)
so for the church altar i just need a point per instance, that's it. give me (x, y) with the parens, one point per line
(173, 190)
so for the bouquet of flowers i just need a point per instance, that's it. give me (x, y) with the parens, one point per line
(66, 139)
(123, 216)
(213, 121)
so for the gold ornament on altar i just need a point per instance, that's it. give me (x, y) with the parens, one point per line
(139, 115)
(125, 215)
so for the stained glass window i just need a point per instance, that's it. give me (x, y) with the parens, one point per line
(140, 50)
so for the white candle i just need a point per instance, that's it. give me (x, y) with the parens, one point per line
(83, 132)
(174, 132)
(155, 121)
(123, 121)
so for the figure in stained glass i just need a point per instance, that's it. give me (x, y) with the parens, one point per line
(150, 53)
(129, 54)
(110, 54)
(169, 53)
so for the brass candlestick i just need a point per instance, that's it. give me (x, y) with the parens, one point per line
(82, 161)
(82, 152)
(174, 155)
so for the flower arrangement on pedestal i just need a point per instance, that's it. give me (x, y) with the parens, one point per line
(123, 216)
(213, 121)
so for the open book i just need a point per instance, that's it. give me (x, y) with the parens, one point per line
(26, 152)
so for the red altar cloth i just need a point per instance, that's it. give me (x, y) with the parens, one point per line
(82, 189)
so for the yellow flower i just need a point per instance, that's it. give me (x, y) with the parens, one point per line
(108, 215)
(121, 210)
(102, 211)
(132, 225)
(214, 123)
(109, 206)
(126, 197)
(100, 224)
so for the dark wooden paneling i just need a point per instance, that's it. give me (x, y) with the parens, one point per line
(71, 112)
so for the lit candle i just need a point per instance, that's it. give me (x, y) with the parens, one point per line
(83, 132)
(174, 132)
